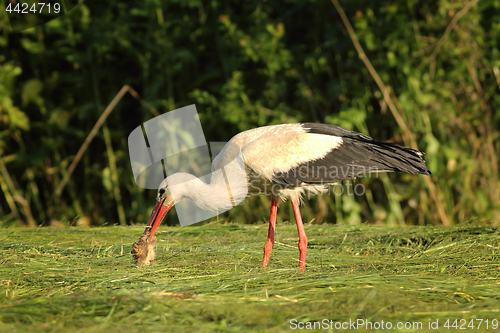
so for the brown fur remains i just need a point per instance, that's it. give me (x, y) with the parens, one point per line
(144, 250)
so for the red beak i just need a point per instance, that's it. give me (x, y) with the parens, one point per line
(157, 216)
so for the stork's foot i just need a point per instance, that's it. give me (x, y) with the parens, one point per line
(144, 250)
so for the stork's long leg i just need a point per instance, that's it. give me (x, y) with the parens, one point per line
(302, 235)
(270, 234)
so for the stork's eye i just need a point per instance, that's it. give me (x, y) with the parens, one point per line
(161, 191)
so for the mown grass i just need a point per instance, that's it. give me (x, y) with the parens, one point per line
(208, 278)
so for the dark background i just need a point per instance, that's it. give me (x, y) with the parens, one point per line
(247, 64)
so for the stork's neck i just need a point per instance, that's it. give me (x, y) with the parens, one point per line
(213, 196)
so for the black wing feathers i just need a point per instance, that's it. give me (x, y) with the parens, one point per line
(358, 156)
(325, 129)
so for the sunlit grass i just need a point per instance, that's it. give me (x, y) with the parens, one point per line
(208, 278)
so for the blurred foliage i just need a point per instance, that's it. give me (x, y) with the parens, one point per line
(249, 64)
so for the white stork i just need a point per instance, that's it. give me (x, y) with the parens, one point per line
(283, 161)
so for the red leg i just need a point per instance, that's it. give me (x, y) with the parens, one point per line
(270, 234)
(302, 236)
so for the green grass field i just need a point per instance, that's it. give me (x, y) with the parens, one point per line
(208, 279)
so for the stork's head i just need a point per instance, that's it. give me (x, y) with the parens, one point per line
(165, 199)
(164, 194)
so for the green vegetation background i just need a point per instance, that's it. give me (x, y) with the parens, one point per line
(249, 64)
